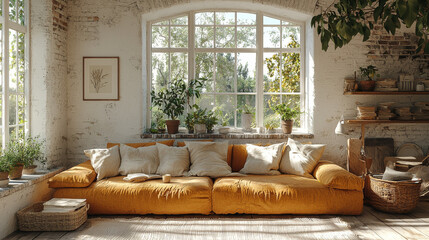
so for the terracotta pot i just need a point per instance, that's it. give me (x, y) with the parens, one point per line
(246, 121)
(4, 175)
(367, 85)
(29, 170)
(287, 126)
(16, 171)
(172, 126)
(200, 128)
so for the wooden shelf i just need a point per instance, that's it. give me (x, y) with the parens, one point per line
(357, 121)
(387, 93)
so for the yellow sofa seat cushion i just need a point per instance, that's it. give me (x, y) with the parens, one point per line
(183, 195)
(282, 194)
(143, 144)
(334, 176)
(78, 176)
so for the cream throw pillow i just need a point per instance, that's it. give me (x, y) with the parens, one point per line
(208, 159)
(301, 159)
(172, 160)
(104, 161)
(263, 160)
(138, 160)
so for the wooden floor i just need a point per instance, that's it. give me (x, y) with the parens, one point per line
(371, 224)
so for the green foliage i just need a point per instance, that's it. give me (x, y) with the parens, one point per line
(5, 165)
(345, 19)
(286, 112)
(271, 122)
(247, 109)
(210, 121)
(196, 116)
(368, 72)
(223, 117)
(159, 120)
(24, 151)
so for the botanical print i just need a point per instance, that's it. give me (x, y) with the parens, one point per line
(101, 79)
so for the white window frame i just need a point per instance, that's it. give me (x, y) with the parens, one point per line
(259, 50)
(7, 25)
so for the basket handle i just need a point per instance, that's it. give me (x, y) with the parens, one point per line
(87, 207)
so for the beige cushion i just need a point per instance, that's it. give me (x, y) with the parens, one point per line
(104, 161)
(208, 159)
(301, 159)
(138, 160)
(263, 160)
(172, 160)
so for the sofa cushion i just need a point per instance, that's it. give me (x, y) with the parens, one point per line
(79, 176)
(282, 194)
(262, 160)
(239, 155)
(208, 159)
(230, 146)
(172, 160)
(143, 144)
(183, 195)
(138, 160)
(105, 162)
(334, 176)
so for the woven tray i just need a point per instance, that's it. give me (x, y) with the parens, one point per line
(33, 219)
(392, 196)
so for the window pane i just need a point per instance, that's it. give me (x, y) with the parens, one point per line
(271, 72)
(294, 102)
(204, 68)
(225, 63)
(179, 37)
(1, 58)
(159, 37)
(12, 10)
(291, 37)
(269, 102)
(21, 62)
(1, 115)
(179, 66)
(21, 109)
(21, 13)
(160, 70)
(179, 21)
(285, 23)
(225, 37)
(271, 37)
(12, 132)
(204, 37)
(291, 70)
(225, 108)
(271, 21)
(12, 109)
(246, 37)
(225, 18)
(205, 101)
(13, 60)
(246, 18)
(246, 72)
(243, 100)
(205, 18)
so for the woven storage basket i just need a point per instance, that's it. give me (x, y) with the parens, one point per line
(392, 196)
(33, 219)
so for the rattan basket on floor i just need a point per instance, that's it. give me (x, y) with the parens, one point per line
(33, 219)
(392, 196)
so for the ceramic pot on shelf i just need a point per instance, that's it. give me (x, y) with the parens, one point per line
(224, 130)
(246, 121)
(16, 171)
(4, 179)
(287, 126)
(367, 85)
(29, 170)
(200, 128)
(172, 126)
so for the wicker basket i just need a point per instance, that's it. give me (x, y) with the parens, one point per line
(33, 219)
(392, 196)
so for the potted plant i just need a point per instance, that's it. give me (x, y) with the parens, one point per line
(287, 115)
(367, 83)
(189, 122)
(247, 117)
(271, 123)
(159, 121)
(199, 120)
(224, 119)
(210, 121)
(5, 167)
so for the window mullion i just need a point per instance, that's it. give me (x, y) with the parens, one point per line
(191, 48)
(5, 95)
(260, 72)
(27, 77)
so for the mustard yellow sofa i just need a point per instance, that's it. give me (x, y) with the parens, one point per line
(333, 190)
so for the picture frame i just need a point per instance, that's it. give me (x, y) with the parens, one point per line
(100, 78)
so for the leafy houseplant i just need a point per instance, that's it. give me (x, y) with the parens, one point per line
(159, 121)
(367, 73)
(5, 167)
(210, 121)
(247, 114)
(287, 115)
(224, 119)
(271, 123)
(195, 120)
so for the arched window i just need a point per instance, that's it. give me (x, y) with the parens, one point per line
(249, 58)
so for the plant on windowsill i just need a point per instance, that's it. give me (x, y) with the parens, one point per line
(159, 121)
(367, 83)
(195, 120)
(271, 123)
(5, 167)
(224, 119)
(287, 114)
(247, 114)
(210, 121)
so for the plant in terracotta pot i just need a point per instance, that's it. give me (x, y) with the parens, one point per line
(271, 123)
(368, 73)
(247, 114)
(5, 167)
(287, 114)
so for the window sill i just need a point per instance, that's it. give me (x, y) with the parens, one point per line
(27, 180)
(228, 136)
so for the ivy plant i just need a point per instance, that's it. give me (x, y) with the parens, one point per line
(344, 19)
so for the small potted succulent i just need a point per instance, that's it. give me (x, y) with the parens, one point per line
(287, 115)
(271, 123)
(5, 167)
(247, 114)
(368, 73)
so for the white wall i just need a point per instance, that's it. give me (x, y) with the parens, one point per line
(113, 28)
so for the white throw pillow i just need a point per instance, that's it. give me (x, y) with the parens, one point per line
(104, 161)
(172, 160)
(208, 159)
(138, 160)
(263, 160)
(301, 159)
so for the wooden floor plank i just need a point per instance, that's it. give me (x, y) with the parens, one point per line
(18, 235)
(398, 224)
(50, 235)
(382, 230)
(360, 229)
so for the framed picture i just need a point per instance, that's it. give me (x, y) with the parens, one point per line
(100, 78)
